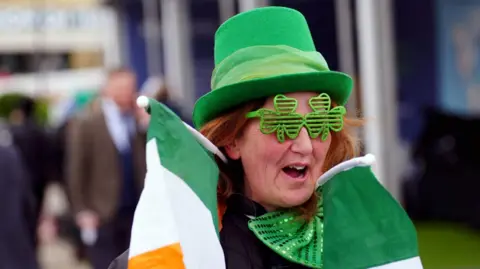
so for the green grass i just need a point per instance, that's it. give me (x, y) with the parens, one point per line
(448, 246)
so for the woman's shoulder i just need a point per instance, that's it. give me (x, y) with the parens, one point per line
(238, 247)
(235, 233)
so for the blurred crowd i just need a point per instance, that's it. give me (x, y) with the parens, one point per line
(96, 157)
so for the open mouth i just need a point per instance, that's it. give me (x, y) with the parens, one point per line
(295, 171)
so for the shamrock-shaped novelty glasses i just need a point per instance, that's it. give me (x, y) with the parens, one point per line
(284, 119)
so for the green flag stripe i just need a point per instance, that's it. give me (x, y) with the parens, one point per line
(181, 154)
(364, 224)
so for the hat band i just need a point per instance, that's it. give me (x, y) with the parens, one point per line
(265, 61)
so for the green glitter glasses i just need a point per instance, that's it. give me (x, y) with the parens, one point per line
(285, 121)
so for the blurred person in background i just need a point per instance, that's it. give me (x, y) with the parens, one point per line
(155, 88)
(82, 103)
(16, 248)
(33, 144)
(106, 168)
(163, 96)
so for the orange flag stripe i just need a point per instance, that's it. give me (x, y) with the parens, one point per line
(168, 257)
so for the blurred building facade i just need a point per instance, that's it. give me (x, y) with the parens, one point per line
(56, 47)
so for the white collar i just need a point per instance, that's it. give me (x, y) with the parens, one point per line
(115, 124)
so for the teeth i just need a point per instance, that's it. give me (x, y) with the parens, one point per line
(296, 167)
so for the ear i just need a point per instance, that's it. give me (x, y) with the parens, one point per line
(233, 151)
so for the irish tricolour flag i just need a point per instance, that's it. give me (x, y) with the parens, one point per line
(175, 224)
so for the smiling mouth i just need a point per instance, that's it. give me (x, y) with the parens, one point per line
(295, 171)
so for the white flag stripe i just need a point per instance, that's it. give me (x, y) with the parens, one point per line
(198, 238)
(152, 228)
(170, 212)
(412, 263)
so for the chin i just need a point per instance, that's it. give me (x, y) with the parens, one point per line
(295, 198)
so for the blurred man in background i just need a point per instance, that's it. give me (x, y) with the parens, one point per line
(106, 169)
(156, 88)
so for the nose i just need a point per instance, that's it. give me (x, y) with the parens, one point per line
(303, 143)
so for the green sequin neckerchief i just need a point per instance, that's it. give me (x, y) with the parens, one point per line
(292, 237)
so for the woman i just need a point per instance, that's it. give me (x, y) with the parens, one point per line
(276, 111)
(267, 74)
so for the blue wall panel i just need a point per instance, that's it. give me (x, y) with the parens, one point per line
(320, 15)
(136, 42)
(416, 64)
(205, 21)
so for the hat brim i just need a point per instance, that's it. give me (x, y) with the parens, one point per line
(336, 84)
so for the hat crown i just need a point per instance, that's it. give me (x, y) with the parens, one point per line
(262, 27)
(264, 52)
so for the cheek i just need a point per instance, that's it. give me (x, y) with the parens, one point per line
(321, 147)
(320, 150)
(254, 141)
(260, 154)
(260, 149)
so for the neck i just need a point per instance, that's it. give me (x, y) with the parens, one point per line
(269, 208)
(250, 195)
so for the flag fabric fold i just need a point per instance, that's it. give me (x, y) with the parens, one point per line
(175, 224)
(364, 226)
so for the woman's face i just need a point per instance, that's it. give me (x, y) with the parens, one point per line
(274, 176)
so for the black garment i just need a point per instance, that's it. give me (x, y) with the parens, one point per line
(33, 145)
(173, 107)
(121, 262)
(129, 197)
(241, 248)
(113, 238)
(16, 247)
(446, 183)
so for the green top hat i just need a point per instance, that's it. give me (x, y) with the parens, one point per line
(264, 52)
